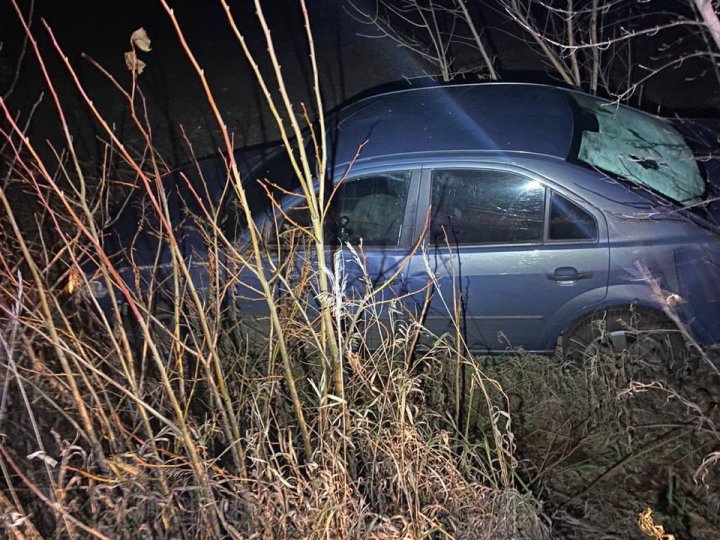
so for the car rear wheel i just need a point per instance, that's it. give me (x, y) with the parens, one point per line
(646, 339)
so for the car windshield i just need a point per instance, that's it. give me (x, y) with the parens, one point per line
(635, 147)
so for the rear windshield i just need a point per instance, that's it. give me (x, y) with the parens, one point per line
(635, 147)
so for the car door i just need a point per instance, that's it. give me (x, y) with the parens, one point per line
(368, 230)
(511, 250)
(370, 226)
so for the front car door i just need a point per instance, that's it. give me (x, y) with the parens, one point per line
(507, 252)
(368, 231)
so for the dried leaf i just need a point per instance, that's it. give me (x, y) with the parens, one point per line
(74, 280)
(140, 39)
(16, 519)
(44, 457)
(133, 63)
(647, 525)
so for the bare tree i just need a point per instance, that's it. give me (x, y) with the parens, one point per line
(612, 47)
(12, 74)
(616, 46)
(708, 12)
(435, 30)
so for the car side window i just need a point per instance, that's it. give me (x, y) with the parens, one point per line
(486, 207)
(287, 230)
(368, 208)
(570, 222)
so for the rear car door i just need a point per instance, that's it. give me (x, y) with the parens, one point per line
(508, 254)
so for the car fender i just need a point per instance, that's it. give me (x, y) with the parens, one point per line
(618, 296)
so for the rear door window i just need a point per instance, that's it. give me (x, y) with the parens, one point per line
(569, 222)
(486, 207)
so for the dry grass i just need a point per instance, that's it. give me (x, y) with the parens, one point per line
(160, 416)
(602, 442)
(157, 415)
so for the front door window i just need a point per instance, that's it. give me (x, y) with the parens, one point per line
(368, 209)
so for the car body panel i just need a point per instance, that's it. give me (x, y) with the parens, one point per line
(503, 117)
(505, 291)
(648, 250)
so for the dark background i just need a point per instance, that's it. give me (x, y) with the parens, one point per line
(349, 64)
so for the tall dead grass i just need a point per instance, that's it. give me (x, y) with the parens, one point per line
(152, 412)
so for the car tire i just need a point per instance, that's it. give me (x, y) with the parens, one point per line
(645, 338)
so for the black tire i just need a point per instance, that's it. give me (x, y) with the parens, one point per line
(650, 339)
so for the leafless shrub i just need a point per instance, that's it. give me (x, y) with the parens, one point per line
(435, 31)
(602, 47)
(604, 440)
(147, 410)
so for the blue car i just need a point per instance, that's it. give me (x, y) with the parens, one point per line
(557, 217)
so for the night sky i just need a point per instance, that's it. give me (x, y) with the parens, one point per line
(349, 64)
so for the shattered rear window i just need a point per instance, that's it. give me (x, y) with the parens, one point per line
(637, 148)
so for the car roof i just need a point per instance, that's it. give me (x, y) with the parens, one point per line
(512, 117)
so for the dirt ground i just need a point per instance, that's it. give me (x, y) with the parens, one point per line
(599, 444)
